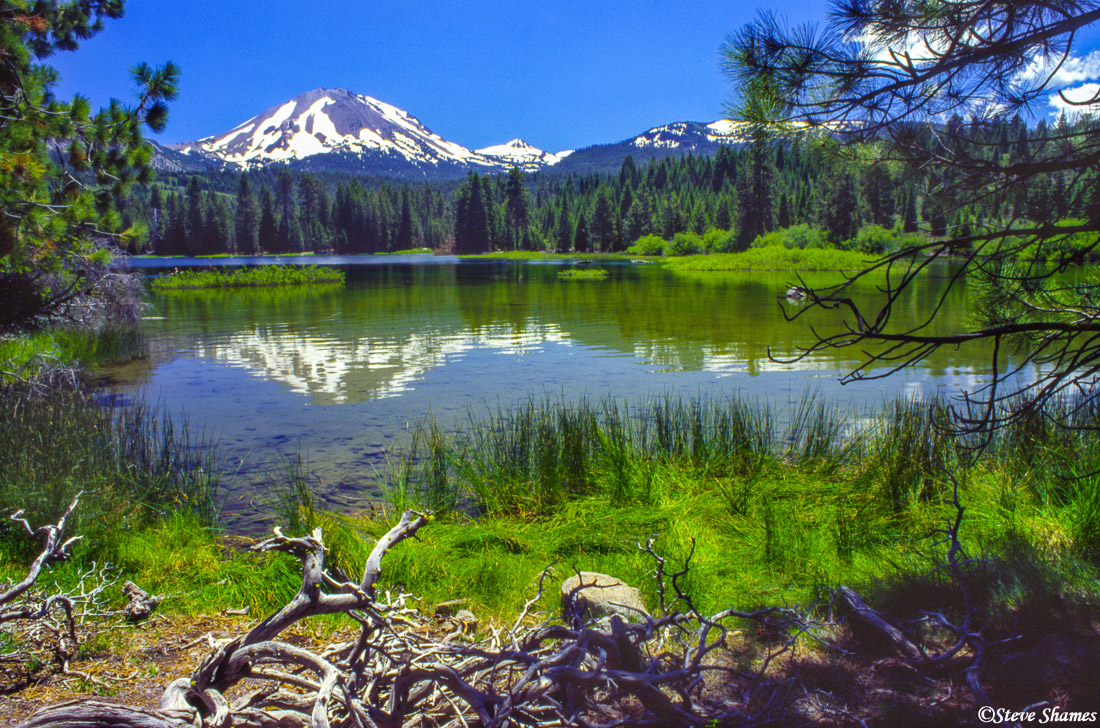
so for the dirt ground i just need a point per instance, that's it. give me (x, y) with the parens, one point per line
(131, 665)
(126, 663)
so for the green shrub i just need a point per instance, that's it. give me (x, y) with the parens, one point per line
(774, 258)
(648, 245)
(684, 244)
(268, 275)
(1075, 247)
(877, 240)
(798, 237)
(583, 274)
(719, 241)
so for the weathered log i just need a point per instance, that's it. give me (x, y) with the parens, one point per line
(96, 714)
(868, 624)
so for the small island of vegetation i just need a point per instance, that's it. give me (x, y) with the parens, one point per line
(583, 274)
(261, 276)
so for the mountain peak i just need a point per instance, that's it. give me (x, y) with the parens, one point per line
(518, 153)
(325, 121)
(353, 127)
(334, 129)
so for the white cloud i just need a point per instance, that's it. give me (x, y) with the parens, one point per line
(1076, 69)
(1086, 92)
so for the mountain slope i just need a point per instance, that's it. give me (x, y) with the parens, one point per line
(334, 129)
(521, 154)
(676, 139)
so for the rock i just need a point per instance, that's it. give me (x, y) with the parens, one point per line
(797, 293)
(462, 620)
(591, 596)
(448, 609)
(141, 603)
(466, 620)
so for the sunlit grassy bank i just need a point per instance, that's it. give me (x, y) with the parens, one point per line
(775, 257)
(543, 255)
(268, 275)
(768, 513)
(23, 355)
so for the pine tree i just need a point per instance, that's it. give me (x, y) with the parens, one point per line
(878, 191)
(628, 173)
(405, 226)
(517, 204)
(755, 196)
(723, 220)
(910, 223)
(195, 223)
(217, 230)
(63, 169)
(564, 232)
(246, 219)
(601, 228)
(175, 239)
(580, 234)
(156, 210)
(471, 218)
(269, 232)
(838, 205)
(783, 218)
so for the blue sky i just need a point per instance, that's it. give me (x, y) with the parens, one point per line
(561, 75)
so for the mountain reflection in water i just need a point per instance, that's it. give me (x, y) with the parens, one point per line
(337, 375)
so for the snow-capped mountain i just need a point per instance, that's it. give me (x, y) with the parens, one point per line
(692, 135)
(676, 139)
(334, 128)
(520, 154)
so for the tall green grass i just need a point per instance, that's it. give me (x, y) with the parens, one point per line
(775, 257)
(25, 354)
(773, 506)
(134, 465)
(532, 458)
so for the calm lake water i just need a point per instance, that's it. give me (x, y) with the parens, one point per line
(335, 375)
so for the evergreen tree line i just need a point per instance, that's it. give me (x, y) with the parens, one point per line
(750, 190)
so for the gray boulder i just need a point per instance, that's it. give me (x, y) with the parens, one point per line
(589, 596)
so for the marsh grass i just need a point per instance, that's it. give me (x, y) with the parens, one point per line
(772, 507)
(775, 257)
(777, 506)
(133, 464)
(534, 457)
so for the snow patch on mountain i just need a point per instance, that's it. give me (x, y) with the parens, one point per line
(325, 121)
(519, 153)
(690, 134)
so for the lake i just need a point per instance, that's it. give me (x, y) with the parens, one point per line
(336, 375)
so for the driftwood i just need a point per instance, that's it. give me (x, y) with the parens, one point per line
(647, 673)
(51, 626)
(869, 624)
